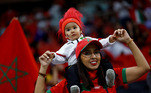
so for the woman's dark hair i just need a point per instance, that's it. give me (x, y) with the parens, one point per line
(84, 76)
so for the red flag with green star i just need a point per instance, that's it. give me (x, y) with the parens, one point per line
(18, 69)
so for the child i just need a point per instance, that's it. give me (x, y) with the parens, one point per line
(71, 27)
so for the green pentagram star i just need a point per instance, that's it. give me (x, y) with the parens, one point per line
(10, 79)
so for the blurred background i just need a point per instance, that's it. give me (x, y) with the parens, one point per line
(40, 21)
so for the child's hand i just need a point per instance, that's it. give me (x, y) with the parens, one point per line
(46, 59)
(114, 37)
(122, 35)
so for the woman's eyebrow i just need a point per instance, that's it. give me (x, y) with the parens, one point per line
(89, 50)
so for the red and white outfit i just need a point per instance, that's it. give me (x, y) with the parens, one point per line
(67, 52)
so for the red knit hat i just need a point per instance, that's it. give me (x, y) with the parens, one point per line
(72, 15)
(84, 43)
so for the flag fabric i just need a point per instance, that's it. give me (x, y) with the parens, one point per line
(136, 16)
(18, 69)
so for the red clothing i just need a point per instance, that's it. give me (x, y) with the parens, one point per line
(120, 79)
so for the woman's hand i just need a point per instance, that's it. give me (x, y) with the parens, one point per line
(122, 36)
(46, 59)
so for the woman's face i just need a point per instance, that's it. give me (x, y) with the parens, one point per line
(91, 57)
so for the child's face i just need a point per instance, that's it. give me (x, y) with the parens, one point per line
(72, 31)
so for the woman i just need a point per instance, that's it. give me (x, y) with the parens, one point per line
(90, 70)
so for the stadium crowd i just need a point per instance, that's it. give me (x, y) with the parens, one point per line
(101, 18)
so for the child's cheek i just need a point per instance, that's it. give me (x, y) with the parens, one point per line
(67, 35)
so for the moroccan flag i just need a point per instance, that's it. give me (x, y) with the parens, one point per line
(18, 69)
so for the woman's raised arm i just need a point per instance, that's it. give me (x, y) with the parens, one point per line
(45, 60)
(133, 73)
